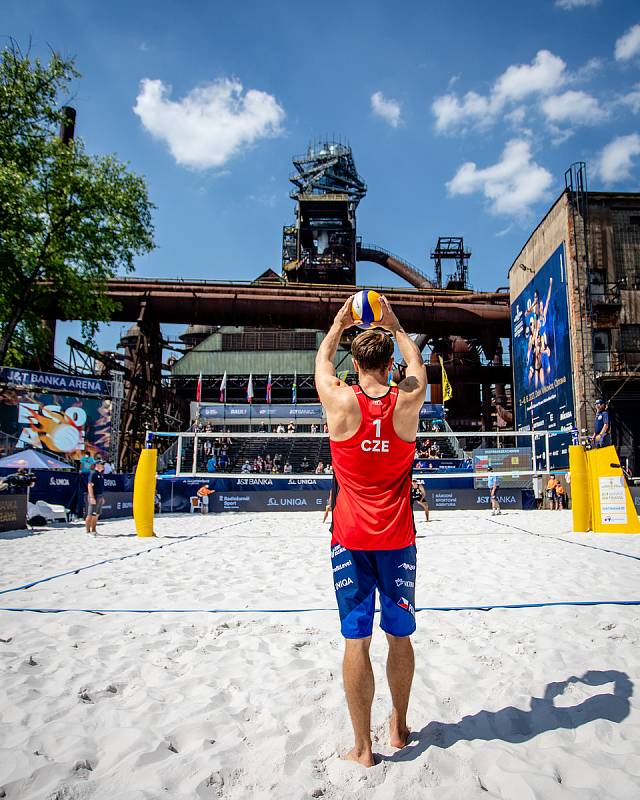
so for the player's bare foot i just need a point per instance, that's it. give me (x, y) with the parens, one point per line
(399, 735)
(362, 757)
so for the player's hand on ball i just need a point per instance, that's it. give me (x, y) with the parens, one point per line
(389, 320)
(343, 317)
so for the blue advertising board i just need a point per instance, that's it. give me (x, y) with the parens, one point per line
(78, 384)
(541, 354)
(257, 412)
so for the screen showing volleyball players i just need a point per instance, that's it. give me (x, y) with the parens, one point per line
(543, 384)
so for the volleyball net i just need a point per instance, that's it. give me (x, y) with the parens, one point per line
(515, 457)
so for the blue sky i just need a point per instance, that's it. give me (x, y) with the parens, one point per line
(462, 116)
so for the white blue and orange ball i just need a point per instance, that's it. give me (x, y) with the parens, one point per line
(366, 309)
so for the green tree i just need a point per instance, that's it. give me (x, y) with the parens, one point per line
(69, 221)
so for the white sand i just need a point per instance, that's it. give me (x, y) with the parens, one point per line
(518, 704)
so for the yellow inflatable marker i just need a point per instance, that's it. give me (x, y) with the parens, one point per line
(580, 491)
(144, 492)
(612, 508)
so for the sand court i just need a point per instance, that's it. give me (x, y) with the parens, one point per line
(248, 702)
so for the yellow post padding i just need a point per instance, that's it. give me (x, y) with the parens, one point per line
(612, 507)
(580, 490)
(144, 492)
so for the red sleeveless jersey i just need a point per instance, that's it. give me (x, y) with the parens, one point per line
(372, 507)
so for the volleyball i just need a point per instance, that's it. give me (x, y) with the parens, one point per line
(366, 309)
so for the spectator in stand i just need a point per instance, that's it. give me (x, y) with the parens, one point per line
(246, 467)
(420, 465)
(108, 469)
(288, 469)
(314, 428)
(328, 470)
(320, 468)
(291, 428)
(277, 459)
(325, 428)
(212, 464)
(223, 460)
(304, 464)
(86, 462)
(280, 428)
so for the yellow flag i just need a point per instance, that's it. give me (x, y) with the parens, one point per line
(447, 391)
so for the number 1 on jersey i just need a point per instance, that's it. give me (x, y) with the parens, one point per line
(377, 423)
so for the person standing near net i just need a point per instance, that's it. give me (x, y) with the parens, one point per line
(419, 496)
(493, 483)
(372, 432)
(95, 497)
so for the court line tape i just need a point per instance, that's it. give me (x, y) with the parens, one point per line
(485, 607)
(115, 558)
(566, 541)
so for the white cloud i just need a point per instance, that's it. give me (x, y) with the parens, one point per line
(512, 185)
(617, 158)
(632, 99)
(212, 123)
(628, 45)
(386, 108)
(545, 74)
(574, 108)
(569, 5)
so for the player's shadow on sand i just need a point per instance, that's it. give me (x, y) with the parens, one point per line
(515, 725)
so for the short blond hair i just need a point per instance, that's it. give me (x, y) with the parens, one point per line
(372, 349)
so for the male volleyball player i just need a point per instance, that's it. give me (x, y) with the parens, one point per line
(372, 431)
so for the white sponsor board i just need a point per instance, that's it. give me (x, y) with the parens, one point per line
(613, 502)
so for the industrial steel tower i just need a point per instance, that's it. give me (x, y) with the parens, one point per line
(321, 246)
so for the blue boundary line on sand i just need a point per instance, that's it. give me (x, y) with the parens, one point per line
(487, 607)
(115, 558)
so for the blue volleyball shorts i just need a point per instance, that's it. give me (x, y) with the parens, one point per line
(356, 576)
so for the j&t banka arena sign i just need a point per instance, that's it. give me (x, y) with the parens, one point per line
(58, 383)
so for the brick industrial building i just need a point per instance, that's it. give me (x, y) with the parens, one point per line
(595, 238)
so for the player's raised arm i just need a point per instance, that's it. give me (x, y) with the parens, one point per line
(415, 380)
(327, 384)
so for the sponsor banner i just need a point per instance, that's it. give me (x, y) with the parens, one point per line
(468, 499)
(281, 412)
(269, 501)
(68, 489)
(613, 500)
(117, 504)
(252, 483)
(60, 423)
(13, 512)
(442, 465)
(57, 383)
(256, 412)
(541, 353)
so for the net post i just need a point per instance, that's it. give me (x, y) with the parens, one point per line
(194, 463)
(179, 455)
(144, 492)
(546, 451)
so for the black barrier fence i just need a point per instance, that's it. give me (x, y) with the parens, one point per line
(13, 512)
